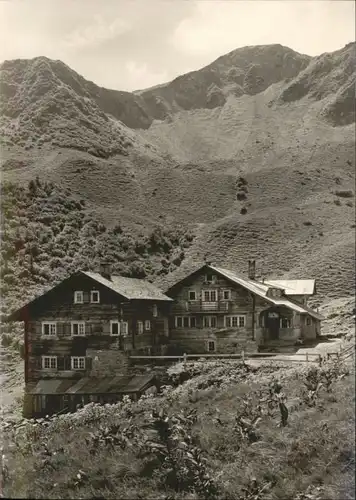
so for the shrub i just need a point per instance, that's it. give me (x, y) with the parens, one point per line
(241, 195)
(345, 193)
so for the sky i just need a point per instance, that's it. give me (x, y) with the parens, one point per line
(136, 44)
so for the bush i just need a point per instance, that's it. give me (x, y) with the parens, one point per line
(345, 193)
(62, 238)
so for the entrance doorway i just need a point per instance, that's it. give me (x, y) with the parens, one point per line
(272, 324)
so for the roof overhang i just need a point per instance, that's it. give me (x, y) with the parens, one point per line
(90, 385)
(22, 313)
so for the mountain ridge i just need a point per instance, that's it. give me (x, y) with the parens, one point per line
(256, 168)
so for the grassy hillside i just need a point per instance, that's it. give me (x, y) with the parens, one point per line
(266, 172)
(227, 432)
(47, 233)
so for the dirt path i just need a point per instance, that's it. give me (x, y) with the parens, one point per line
(11, 384)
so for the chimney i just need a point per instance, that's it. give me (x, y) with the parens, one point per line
(207, 261)
(105, 270)
(252, 269)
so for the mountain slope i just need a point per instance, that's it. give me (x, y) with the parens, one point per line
(264, 169)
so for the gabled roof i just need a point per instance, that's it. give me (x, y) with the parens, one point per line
(294, 287)
(90, 385)
(257, 288)
(130, 288)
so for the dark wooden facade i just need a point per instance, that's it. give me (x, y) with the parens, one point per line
(72, 341)
(212, 313)
(79, 334)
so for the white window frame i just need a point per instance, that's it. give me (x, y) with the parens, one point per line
(235, 318)
(124, 328)
(77, 359)
(207, 345)
(154, 310)
(183, 326)
(147, 325)
(79, 323)
(223, 293)
(213, 278)
(91, 297)
(308, 321)
(139, 327)
(195, 295)
(50, 358)
(115, 322)
(209, 318)
(289, 323)
(210, 292)
(76, 301)
(52, 329)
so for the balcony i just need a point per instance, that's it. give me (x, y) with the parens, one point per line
(199, 306)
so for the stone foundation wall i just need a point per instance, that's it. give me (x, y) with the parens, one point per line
(227, 341)
(107, 362)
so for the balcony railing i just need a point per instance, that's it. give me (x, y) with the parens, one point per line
(202, 306)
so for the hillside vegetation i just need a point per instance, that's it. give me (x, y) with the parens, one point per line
(228, 432)
(255, 152)
(47, 233)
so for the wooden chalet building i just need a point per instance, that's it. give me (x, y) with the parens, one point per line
(76, 336)
(217, 310)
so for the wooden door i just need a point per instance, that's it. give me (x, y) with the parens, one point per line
(273, 325)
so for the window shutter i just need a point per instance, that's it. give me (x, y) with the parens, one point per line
(89, 363)
(185, 294)
(60, 363)
(66, 360)
(66, 329)
(86, 297)
(106, 329)
(60, 328)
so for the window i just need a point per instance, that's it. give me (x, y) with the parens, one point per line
(210, 278)
(192, 295)
(78, 297)
(139, 327)
(114, 328)
(49, 329)
(49, 362)
(147, 325)
(154, 311)
(286, 323)
(185, 322)
(209, 322)
(211, 346)
(94, 297)
(235, 321)
(210, 296)
(78, 363)
(78, 328)
(124, 328)
(308, 321)
(227, 294)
